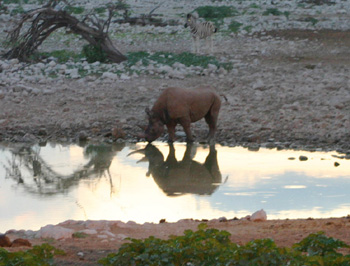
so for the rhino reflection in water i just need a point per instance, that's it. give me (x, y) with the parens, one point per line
(186, 176)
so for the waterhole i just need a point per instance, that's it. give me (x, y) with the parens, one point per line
(48, 184)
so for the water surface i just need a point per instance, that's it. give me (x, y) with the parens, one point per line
(48, 184)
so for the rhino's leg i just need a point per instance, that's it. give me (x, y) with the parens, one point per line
(171, 131)
(212, 118)
(186, 124)
(211, 121)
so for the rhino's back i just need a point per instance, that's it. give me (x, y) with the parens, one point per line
(195, 103)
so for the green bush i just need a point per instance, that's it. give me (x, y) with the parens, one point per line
(234, 26)
(37, 256)
(319, 244)
(94, 53)
(74, 9)
(213, 247)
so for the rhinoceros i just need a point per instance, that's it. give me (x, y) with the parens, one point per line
(182, 106)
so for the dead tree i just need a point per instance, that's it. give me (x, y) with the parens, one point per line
(145, 19)
(47, 19)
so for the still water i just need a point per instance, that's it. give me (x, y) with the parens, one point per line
(42, 185)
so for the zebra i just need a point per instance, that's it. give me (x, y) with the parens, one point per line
(200, 30)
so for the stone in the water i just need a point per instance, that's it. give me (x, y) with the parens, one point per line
(303, 158)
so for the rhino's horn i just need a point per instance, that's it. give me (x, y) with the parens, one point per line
(142, 151)
(144, 159)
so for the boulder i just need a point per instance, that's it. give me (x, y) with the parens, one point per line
(259, 216)
(55, 232)
(5, 241)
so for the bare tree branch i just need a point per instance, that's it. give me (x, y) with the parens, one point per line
(45, 20)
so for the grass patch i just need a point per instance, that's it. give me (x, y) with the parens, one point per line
(275, 12)
(63, 56)
(94, 53)
(254, 5)
(166, 58)
(100, 10)
(234, 26)
(137, 62)
(216, 12)
(77, 10)
(80, 235)
(17, 10)
(312, 20)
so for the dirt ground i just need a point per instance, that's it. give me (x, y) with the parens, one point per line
(287, 88)
(87, 251)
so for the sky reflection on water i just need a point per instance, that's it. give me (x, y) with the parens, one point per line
(47, 185)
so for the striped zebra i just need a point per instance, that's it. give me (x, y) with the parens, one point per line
(200, 30)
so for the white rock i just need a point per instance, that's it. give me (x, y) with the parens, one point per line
(89, 231)
(69, 222)
(179, 65)
(40, 66)
(124, 77)
(109, 75)
(258, 84)
(52, 63)
(108, 233)
(212, 67)
(73, 73)
(35, 91)
(222, 71)
(259, 216)
(14, 61)
(164, 68)
(122, 236)
(176, 74)
(62, 67)
(55, 232)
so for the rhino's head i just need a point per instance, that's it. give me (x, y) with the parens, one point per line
(155, 126)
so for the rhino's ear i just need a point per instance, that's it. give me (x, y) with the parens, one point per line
(148, 111)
